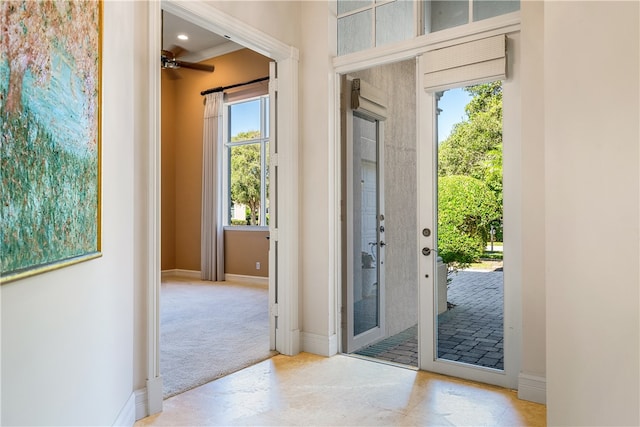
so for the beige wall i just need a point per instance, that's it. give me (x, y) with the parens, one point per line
(182, 151)
(68, 335)
(397, 81)
(243, 249)
(592, 186)
(168, 178)
(533, 191)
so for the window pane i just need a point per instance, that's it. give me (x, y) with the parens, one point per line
(394, 22)
(345, 6)
(440, 15)
(244, 185)
(354, 32)
(244, 121)
(266, 117)
(483, 9)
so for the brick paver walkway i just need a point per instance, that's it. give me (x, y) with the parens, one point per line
(470, 332)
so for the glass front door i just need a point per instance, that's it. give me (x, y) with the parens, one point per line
(363, 228)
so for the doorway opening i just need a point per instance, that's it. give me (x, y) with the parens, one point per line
(209, 329)
(379, 297)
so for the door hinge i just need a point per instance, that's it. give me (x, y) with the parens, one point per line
(274, 159)
(273, 85)
(273, 310)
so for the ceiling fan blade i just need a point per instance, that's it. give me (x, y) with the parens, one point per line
(196, 66)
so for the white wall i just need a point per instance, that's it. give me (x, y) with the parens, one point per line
(591, 101)
(317, 272)
(67, 338)
(533, 200)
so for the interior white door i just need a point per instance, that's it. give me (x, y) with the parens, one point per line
(363, 232)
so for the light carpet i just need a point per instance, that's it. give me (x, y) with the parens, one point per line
(210, 329)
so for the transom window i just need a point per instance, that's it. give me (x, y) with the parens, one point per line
(364, 24)
(246, 153)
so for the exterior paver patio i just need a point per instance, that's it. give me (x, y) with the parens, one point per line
(470, 332)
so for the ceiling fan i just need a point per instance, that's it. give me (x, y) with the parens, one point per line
(169, 59)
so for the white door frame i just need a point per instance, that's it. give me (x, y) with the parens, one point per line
(373, 106)
(412, 49)
(207, 16)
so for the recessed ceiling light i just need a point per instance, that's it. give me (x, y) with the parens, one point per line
(183, 37)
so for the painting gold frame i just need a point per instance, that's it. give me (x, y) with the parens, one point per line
(50, 144)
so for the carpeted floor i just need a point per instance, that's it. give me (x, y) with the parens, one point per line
(208, 330)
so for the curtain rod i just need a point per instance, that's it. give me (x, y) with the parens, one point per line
(221, 88)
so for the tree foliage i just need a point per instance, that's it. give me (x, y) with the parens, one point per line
(466, 208)
(246, 173)
(474, 147)
(470, 178)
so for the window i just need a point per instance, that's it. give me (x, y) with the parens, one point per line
(247, 158)
(364, 24)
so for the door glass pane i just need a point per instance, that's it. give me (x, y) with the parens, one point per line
(483, 9)
(440, 15)
(366, 295)
(394, 22)
(354, 32)
(469, 272)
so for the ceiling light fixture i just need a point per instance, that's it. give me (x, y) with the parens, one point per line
(183, 37)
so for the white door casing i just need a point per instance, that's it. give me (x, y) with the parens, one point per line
(286, 264)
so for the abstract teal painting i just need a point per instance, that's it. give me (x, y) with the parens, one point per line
(50, 118)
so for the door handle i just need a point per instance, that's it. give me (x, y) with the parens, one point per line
(426, 251)
(382, 243)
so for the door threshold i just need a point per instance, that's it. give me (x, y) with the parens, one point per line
(381, 361)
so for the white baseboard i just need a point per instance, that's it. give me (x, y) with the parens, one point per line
(141, 403)
(154, 396)
(532, 388)
(127, 415)
(249, 280)
(321, 345)
(177, 272)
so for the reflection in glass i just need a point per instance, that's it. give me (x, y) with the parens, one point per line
(483, 9)
(440, 15)
(366, 251)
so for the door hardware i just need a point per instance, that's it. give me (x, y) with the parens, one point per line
(426, 232)
(382, 228)
(382, 243)
(426, 251)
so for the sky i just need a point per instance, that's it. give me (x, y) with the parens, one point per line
(452, 105)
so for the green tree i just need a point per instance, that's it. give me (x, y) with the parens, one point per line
(245, 178)
(474, 147)
(466, 208)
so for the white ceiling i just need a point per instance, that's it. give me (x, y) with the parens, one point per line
(202, 44)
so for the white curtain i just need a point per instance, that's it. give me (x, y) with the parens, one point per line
(212, 244)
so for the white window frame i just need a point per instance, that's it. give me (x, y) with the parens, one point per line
(264, 151)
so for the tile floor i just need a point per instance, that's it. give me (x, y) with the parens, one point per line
(344, 391)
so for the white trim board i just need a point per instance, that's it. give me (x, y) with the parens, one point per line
(248, 280)
(141, 403)
(532, 388)
(127, 414)
(321, 345)
(177, 272)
